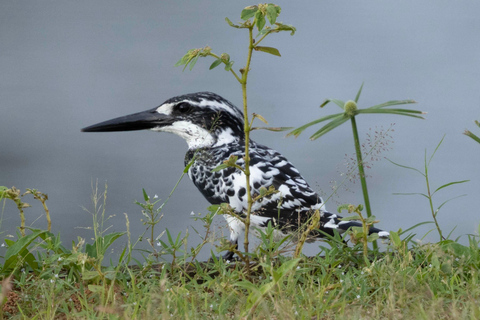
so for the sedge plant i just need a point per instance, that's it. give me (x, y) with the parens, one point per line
(350, 111)
(254, 17)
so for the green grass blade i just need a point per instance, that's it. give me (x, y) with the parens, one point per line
(339, 103)
(406, 167)
(415, 226)
(471, 135)
(392, 103)
(402, 112)
(299, 130)
(443, 203)
(275, 129)
(449, 184)
(438, 146)
(410, 194)
(359, 93)
(329, 126)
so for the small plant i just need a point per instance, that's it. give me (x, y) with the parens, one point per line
(350, 111)
(429, 194)
(253, 17)
(360, 234)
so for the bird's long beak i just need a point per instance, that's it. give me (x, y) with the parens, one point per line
(137, 121)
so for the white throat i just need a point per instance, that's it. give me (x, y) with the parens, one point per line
(195, 136)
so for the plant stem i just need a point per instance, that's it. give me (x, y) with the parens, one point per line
(361, 171)
(247, 140)
(431, 201)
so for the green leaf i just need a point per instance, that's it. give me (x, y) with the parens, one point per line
(215, 64)
(20, 248)
(402, 112)
(395, 239)
(329, 126)
(260, 18)
(406, 167)
(339, 103)
(463, 195)
(373, 237)
(145, 195)
(350, 218)
(272, 13)
(449, 184)
(220, 167)
(193, 62)
(248, 12)
(359, 93)
(228, 65)
(299, 130)
(270, 50)
(471, 135)
(392, 103)
(284, 27)
(276, 129)
(231, 24)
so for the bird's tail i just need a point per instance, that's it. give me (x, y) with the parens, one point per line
(330, 221)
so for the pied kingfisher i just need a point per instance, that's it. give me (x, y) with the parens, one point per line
(213, 129)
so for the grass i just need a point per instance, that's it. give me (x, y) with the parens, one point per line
(44, 280)
(425, 282)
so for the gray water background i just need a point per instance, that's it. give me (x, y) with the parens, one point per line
(69, 64)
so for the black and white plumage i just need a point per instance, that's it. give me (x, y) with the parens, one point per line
(213, 130)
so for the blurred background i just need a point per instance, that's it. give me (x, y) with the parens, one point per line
(69, 64)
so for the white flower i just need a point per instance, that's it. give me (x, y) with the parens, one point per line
(430, 265)
(358, 296)
(341, 280)
(155, 196)
(3, 245)
(56, 275)
(192, 213)
(52, 281)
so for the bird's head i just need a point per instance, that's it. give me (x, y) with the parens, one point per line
(203, 119)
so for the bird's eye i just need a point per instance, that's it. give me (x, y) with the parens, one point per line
(183, 107)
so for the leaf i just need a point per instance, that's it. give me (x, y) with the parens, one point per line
(449, 184)
(270, 50)
(406, 167)
(471, 135)
(231, 24)
(299, 130)
(284, 27)
(463, 195)
(260, 18)
(145, 195)
(359, 93)
(339, 103)
(220, 167)
(193, 62)
(329, 126)
(272, 13)
(215, 64)
(276, 129)
(259, 117)
(395, 239)
(392, 103)
(402, 112)
(350, 218)
(248, 12)
(20, 248)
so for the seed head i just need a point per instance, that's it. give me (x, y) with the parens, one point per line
(350, 108)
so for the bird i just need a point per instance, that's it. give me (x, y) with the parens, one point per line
(213, 129)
